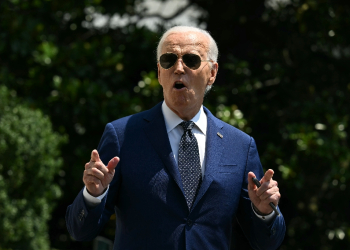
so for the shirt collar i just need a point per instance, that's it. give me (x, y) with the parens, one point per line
(172, 120)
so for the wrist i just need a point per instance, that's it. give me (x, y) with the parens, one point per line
(95, 194)
(259, 212)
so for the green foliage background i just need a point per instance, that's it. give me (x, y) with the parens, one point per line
(30, 159)
(283, 78)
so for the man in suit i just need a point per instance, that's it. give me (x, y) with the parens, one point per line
(176, 176)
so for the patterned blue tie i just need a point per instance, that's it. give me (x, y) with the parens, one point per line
(189, 163)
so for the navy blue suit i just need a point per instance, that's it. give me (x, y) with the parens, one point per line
(147, 194)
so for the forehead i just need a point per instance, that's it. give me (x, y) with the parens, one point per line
(186, 41)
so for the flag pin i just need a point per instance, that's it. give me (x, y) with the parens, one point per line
(220, 135)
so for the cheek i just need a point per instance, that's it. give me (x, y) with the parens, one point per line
(200, 87)
(194, 94)
(164, 79)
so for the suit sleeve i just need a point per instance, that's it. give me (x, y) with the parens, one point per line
(84, 223)
(261, 235)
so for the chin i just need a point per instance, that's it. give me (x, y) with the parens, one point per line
(181, 102)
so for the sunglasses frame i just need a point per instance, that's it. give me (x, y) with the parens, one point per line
(183, 60)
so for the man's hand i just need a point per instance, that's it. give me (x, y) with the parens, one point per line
(268, 192)
(96, 175)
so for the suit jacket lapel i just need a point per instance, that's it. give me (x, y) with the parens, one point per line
(213, 153)
(156, 132)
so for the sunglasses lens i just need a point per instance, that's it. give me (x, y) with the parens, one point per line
(192, 61)
(167, 60)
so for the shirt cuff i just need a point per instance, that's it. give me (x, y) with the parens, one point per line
(266, 218)
(92, 201)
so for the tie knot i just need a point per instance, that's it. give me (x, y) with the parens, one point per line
(187, 125)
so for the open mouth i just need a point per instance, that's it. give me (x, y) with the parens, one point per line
(179, 85)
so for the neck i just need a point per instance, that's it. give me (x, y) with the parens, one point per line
(186, 113)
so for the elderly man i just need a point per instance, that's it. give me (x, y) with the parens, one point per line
(176, 176)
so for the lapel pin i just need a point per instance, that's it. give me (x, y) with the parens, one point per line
(220, 135)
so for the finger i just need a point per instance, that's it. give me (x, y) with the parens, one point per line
(95, 157)
(269, 193)
(94, 172)
(98, 165)
(90, 179)
(274, 198)
(113, 163)
(266, 186)
(251, 184)
(268, 176)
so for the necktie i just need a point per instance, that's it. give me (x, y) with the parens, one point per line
(189, 163)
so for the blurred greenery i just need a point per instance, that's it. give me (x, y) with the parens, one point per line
(283, 78)
(30, 159)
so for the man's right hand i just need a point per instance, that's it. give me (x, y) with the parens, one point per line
(97, 176)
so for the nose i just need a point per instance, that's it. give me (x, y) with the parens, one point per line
(179, 67)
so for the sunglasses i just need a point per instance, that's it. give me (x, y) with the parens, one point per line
(192, 61)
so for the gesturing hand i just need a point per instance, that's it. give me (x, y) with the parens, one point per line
(96, 175)
(268, 192)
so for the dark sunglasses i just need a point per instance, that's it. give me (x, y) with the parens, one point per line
(192, 61)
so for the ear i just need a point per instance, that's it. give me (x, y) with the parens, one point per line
(213, 73)
(159, 78)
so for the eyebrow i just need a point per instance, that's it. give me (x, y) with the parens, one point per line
(172, 45)
(190, 44)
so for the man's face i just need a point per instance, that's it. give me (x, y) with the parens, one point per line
(183, 88)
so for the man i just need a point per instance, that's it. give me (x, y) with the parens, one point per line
(176, 176)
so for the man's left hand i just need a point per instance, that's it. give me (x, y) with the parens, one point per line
(268, 192)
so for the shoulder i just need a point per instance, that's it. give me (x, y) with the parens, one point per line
(227, 129)
(136, 120)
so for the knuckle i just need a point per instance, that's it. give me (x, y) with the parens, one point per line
(92, 179)
(275, 197)
(97, 180)
(85, 173)
(100, 164)
(97, 165)
(87, 179)
(96, 171)
(103, 168)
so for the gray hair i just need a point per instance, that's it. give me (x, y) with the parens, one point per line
(213, 50)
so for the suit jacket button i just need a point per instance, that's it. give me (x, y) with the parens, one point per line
(189, 223)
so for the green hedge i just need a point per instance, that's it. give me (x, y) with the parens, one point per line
(29, 161)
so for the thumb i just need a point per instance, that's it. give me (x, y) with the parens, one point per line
(95, 156)
(251, 184)
(113, 163)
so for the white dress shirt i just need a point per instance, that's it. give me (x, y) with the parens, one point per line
(175, 131)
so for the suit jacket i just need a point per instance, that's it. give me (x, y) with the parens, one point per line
(147, 196)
